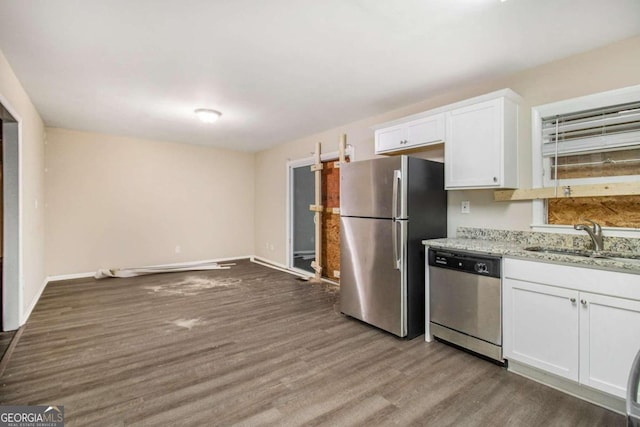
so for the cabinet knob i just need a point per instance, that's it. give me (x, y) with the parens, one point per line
(573, 300)
(583, 302)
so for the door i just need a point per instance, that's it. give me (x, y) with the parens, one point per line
(474, 145)
(541, 327)
(367, 188)
(425, 131)
(303, 228)
(371, 284)
(609, 341)
(390, 139)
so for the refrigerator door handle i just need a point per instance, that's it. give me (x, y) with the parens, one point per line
(396, 253)
(397, 178)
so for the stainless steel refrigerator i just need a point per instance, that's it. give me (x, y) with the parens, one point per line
(387, 207)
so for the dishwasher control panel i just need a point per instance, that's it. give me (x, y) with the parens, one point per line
(485, 265)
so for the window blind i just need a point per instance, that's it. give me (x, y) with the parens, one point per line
(600, 129)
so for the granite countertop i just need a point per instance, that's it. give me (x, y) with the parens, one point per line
(501, 242)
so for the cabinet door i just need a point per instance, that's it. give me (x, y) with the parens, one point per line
(609, 340)
(428, 130)
(390, 139)
(473, 150)
(541, 327)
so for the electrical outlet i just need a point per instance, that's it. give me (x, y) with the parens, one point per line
(178, 249)
(465, 207)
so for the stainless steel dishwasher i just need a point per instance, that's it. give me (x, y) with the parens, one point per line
(465, 300)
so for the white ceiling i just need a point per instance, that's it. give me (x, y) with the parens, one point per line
(277, 69)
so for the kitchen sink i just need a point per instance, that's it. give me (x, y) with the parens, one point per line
(620, 257)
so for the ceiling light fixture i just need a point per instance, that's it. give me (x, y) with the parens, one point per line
(208, 116)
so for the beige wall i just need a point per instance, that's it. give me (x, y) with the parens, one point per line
(32, 184)
(610, 67)
(124, 202)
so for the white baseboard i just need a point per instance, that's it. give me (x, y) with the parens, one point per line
(34, 301)
(281, 267)
(60, 277)
(597, 397)
(278, 266)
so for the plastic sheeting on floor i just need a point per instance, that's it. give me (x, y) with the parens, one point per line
(168, 268)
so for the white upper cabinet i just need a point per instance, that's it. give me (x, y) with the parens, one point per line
(412, 134)
(480, 138)
(481, 149)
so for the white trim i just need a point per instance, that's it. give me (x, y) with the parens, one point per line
(71, 276)
(295, 271)
(291, 164)
(32, 304)
(301, 272)
(13, 293)
(276, 266)
(587, 102)
(569, 387)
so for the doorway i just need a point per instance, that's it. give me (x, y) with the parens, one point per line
(1, 233)
(11, 292)
(303, 238)
(301, 230)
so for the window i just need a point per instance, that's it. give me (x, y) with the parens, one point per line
(589, 140)
(592, 145)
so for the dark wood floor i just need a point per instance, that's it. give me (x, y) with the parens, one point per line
(5, 340)
(253, 346)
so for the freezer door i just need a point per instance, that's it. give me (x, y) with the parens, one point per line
(372, 282)
(372, 188)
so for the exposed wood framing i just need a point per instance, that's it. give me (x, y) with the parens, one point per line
(330, 245)
(587, 190)
(342, 149)
(317, 169)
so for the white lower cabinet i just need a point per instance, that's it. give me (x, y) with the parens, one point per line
(609, 340)
(541, 327)
(577, 323)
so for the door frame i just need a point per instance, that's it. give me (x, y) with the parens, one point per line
(291, 164)
(12, 268)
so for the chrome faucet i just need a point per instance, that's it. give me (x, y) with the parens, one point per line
(595, 232)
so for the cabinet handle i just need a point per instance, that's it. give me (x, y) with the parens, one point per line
(573, 300)
(495, 179)
(583, 302)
